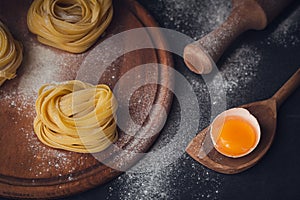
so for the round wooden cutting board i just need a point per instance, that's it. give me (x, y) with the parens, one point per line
(30, 169)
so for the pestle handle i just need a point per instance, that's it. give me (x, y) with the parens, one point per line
(201, 55)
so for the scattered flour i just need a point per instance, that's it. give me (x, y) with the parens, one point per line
(192, 17)
(284, 34)
(238, 70)
(240, 67)
(163, 184)
(41, 65)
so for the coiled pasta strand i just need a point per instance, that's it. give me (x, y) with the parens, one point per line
(11, 54)
(70, 25)
(76, 116)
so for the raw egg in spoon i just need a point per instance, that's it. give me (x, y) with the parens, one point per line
(235, 132)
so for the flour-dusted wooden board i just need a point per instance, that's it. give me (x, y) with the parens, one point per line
(30, 169)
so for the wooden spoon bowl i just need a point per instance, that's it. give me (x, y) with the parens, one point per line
(201, 148)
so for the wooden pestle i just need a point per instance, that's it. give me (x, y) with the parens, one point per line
(201, 55)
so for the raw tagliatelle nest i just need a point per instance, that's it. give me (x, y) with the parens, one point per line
(76, 116)
(11, 54)
(70, 25)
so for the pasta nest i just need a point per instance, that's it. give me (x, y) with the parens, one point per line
(76, 116)
(11, 54)
(70, 25)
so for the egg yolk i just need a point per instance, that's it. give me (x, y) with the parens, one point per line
(236, 137)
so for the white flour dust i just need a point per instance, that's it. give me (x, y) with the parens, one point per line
(240, 67)
(192, 17)
(284, 34)
(40, 66)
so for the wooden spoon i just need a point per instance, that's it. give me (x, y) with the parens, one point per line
(201, 55)
(201, 148)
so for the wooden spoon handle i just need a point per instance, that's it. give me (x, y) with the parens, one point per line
(201, 55)
(287, 89)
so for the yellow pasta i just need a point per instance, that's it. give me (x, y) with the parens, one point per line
(76, 116)
(11, 54)
(70, 25)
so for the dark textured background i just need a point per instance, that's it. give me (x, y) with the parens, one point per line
(277, 175)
